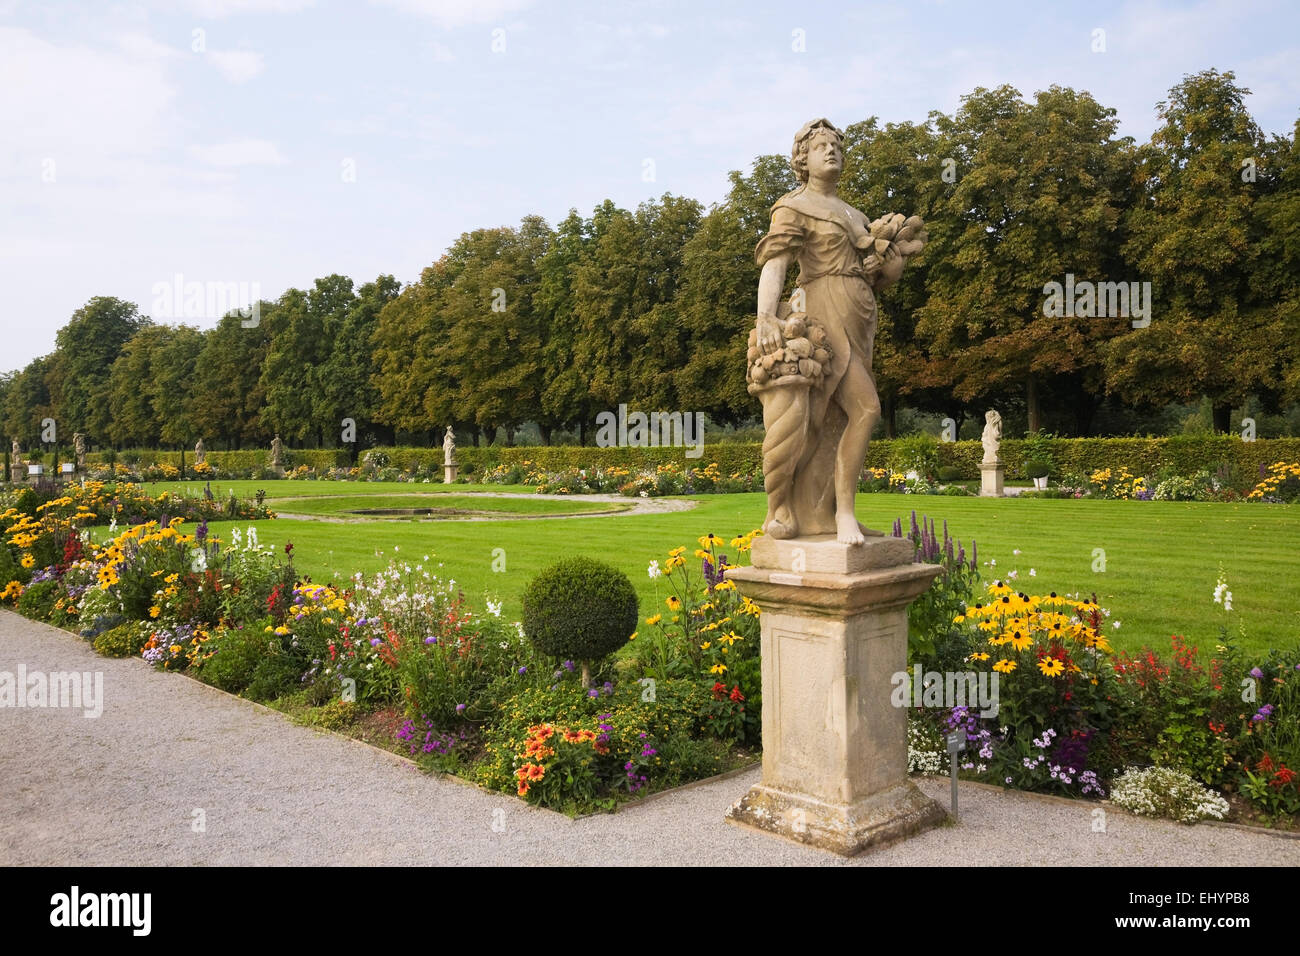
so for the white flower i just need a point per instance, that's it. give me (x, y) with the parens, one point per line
(1012, 574)
(993, 562)
(494, 608)
(1033, 573)
(1115, 625)
(653, 570)
(1015, 551)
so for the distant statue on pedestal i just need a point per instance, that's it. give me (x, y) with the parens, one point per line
(277, 452)
(79, 445)
(992, 437)
(449, 467)
(991, 468)
(200, 452)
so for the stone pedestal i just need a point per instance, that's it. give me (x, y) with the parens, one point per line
(17, 472)
(991, 479)
(834, 632)
(278, 470)
(449, 472)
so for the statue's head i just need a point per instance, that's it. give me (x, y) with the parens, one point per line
(809, 135)
(992, 417)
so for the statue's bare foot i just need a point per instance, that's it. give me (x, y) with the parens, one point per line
(848, 531)
(777, 528)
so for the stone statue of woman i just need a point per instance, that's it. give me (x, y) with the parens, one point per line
(277, 452)
(992, 437)
(200, 452)
(810, 359)
(449, 447)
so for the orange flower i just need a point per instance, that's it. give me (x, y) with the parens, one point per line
(572, 736)
(523, 789)
(536, 771)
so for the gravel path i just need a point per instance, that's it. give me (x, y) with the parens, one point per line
(123, 789)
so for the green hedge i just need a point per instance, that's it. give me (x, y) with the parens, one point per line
(1141, 456)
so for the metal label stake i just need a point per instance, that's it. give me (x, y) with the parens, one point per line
(956, 744)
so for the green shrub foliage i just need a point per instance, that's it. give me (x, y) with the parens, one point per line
(581, 609)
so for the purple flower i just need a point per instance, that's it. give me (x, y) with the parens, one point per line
(1256, 672)
(460, 708)
(374, 642)
(523, 670)
(568, 666)
(593, 693)
(431, 640)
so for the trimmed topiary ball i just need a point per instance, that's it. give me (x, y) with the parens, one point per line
(580, 609)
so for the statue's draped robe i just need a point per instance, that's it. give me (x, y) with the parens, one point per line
(829, 247)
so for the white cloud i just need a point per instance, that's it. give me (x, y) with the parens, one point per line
(59, 100)
(450, 14)
(237, 66)
(141, 47)
(441, 53)
(217, 9)
(248, 152)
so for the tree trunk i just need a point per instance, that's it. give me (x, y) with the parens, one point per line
(1031, 403)
(546, 433)
(1222, 418)
(1085, 409)
(586, 674)
(887, 408)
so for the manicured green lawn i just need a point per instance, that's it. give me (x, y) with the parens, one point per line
(1162, 559)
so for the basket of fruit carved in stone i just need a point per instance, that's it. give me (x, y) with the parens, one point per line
(803, 359)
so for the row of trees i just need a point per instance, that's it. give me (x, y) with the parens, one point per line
(652, 307)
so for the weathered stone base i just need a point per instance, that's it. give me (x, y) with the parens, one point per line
(449, 473)
(848, 829)
(991, 480)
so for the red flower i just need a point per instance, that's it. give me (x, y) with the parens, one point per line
(736, 695)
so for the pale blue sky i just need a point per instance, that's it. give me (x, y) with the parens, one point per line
(133, 149)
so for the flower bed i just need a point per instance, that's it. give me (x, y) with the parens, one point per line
(681, 698)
